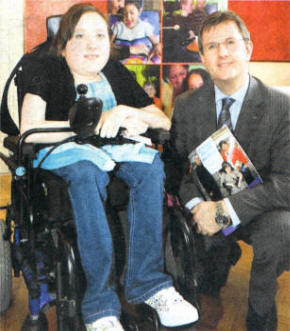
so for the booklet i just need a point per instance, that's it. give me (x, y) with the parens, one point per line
(220, 167)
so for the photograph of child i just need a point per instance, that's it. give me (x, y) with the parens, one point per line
(181, 23)
(137, 30)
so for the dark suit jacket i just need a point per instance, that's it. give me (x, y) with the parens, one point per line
(263, 130)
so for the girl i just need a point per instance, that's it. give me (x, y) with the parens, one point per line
(82, 49)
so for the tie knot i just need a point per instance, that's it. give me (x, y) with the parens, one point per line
(227, 102)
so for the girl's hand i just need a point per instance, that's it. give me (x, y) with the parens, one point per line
(111, 121)
(134, 126)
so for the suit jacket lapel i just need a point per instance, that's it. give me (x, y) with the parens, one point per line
(251, 113)
(207, 111)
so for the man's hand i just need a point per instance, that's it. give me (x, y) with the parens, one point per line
(204, 217)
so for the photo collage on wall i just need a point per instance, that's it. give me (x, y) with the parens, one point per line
(157, 40)
(161, 50)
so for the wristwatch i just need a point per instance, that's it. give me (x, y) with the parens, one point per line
(220, 217)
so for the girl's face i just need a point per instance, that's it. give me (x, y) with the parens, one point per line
(88, 51)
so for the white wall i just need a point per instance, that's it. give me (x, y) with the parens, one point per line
(11, 49)
(276, 74)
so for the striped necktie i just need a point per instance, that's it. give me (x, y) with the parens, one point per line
(225, 116)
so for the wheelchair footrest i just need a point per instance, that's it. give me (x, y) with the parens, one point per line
(140, 317)
(67, 307)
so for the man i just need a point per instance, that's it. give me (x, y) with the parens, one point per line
(260, 120)
(175, 75)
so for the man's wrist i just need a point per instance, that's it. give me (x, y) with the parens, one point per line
(222, 217)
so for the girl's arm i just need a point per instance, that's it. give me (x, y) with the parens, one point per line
(122, 116)
(33, 116)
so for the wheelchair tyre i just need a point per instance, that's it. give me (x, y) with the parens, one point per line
(180, 256)
(70, 286)
(5, 270)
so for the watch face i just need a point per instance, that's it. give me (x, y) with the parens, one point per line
(222, 220)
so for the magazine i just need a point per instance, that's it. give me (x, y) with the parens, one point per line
(220, 168)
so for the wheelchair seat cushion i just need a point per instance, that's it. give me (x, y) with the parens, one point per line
(53, 202)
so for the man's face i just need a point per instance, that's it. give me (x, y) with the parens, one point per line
(177, 75)
(131, 15)
(227, 64)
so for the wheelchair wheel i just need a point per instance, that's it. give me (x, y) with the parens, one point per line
(70, 287)
(5, 270)
(180, 256)
(141, 318)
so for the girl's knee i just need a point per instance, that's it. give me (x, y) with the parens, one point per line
(87, 172)
(157, 167)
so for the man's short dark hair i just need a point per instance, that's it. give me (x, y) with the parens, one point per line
(220, 17)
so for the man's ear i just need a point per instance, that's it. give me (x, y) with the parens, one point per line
(249, 48)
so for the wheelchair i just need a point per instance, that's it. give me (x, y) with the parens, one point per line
(40, 232)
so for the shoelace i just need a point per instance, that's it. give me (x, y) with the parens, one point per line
(163, 301)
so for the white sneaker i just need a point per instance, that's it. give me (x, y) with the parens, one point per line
(108, 323)
(172, 309)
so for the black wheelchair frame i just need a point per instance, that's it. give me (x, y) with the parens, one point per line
(39, 227)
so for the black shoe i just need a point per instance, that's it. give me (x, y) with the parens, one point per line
(39, 324)
(235, 254)
(268, 322)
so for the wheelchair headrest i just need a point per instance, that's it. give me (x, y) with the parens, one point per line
(52, 25)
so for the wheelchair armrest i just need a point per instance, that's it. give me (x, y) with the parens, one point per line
(20, 149)
(158, 136)
(12, 143)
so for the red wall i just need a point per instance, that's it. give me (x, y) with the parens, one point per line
(269, 25)
(268, 22)
(35, 17)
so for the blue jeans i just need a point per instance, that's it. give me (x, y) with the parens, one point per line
(144, 274)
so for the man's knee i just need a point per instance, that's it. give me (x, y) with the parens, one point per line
(270, 238)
